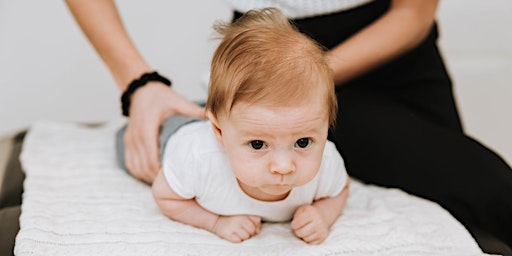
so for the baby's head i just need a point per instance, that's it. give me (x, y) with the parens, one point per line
(271, 101)
(262, 59)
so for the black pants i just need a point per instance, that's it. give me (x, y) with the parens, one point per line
(398, 126)
(10, 197)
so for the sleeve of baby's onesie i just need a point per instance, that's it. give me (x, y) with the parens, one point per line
(178, 167)
(333, 175)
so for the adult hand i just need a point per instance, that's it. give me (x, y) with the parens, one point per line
(237, 228)
(308, 224)
(150, 106)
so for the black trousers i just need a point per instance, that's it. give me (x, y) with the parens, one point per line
(10, 197)
(398, 126)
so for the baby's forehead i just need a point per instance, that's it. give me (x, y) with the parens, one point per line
(269, 113)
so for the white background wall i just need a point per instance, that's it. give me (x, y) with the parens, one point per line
(49, 71)
(477, 43)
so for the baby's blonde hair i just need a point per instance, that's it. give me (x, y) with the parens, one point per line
(264, 59)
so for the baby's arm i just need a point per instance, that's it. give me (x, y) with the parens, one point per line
(312, 222)
(188, 211)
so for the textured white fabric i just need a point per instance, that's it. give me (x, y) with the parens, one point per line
(196, 166)
(76, 201)
(294, 9)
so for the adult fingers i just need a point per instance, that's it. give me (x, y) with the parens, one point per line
(150, 152)
(188, 108)
(141, 151)
(134, 160)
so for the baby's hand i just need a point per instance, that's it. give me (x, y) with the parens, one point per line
(309, 225)
(237, 228)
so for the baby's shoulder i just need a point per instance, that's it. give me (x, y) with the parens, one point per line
(330, 151)
(196, 137)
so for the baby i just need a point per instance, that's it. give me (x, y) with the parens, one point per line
(263, 155)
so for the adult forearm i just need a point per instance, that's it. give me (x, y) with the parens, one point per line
(102, 25)
(400, 29)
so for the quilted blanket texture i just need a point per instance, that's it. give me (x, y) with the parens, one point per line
(77, 201)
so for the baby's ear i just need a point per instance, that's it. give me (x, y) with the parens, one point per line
(215, 125)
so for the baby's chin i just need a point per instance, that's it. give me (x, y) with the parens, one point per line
(278, 192)
(268, 192)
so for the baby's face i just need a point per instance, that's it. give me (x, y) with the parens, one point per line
(274, 149)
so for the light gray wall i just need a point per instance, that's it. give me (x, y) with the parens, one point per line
(49, 71)
(477, 43)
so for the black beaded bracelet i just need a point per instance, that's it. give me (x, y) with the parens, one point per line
(136, 84)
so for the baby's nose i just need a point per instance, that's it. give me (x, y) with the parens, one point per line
(282, 163)
(283, 171)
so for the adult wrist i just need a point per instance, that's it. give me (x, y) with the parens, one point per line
(136, 84)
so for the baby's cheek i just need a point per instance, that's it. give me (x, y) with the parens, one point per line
(308, 169)
(247, 171)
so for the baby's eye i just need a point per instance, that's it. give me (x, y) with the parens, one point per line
(303, 142)
(257, 144)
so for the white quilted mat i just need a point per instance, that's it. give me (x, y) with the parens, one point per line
(78, 202)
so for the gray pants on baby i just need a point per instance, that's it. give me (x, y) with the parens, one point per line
(169, 127)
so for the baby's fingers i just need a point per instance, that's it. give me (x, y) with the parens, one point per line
(301, 218)
(256, 221)
(240, 235)
(299, 222)
(304, 231)
(316, 237)
(250, 226)
(312, 233)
